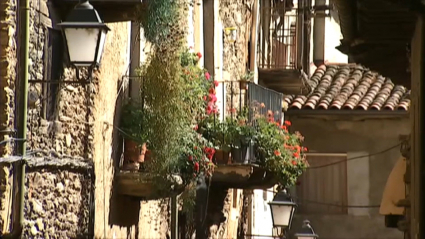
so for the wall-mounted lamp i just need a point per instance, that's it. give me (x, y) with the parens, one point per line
(232, 32)
(282, 209)
(306, 232)
(85, 35)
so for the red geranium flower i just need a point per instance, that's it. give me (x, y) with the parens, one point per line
(216, 83)
(209, 109)
(213, 98)
(196, 166)
(288, 123)
(199, 55)
(207, 75)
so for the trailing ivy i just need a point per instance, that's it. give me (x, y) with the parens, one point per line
(176, 95)
(160, 22)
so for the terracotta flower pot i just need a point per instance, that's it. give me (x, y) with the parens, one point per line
(134, 152)
(243, 85)
(147, 155)
(221, 157)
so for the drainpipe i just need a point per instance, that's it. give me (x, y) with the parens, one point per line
(134, 83)
(319, 33)
(300, 35)
(200, 208)
(420, 134)
(19, 167)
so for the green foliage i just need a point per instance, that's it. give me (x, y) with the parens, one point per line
(279, 150)
(133, 120)
(163, 94)
(219, 133)
(161, 23)
(249, 76)
(241, 130)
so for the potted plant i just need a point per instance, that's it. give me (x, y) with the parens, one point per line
(242, 135)
(218, 134)
(196, 156)
(134, 129)
(278, 150)
(247, 77)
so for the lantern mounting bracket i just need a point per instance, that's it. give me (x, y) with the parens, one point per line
(89, 73)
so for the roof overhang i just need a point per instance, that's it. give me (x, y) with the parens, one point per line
(109, 10)
(348, 114)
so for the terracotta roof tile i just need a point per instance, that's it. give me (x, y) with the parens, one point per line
(350, 87)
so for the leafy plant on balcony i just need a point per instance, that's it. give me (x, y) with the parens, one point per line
(218, 133)
(241, 130)
(278, 150)
(178, 95)
(247, 77)
(133, 119)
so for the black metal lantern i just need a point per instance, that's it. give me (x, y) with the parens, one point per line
(306, 232)
(85, 35)
(282, 209)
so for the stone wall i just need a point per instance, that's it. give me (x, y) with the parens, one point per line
(236, 13)
(61, 123)
(7, 74)
(59, 115)
(57, 204)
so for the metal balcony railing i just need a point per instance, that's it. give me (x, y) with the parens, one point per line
(277, 45)
(240, 94)
(235, 97)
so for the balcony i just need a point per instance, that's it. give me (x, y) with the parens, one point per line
(241, 142)
(242, 168)
(282, 40)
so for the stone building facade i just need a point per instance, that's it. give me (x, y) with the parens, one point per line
(71, 136)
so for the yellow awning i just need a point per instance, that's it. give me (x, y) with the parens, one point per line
(394, 190)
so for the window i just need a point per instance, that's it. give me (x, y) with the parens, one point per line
(53, 53)
(320, 188)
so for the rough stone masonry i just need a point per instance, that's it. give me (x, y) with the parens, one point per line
(57, 199)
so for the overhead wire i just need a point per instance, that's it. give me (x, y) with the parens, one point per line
(11, 140)
(357, 157)
(302, 200)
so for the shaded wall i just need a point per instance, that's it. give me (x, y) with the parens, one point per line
(7, 74)
(366, 177)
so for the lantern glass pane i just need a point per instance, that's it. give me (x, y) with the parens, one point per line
(82, 44)
(281, 214)
(101, 46)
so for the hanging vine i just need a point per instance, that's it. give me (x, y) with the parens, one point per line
(177, 94)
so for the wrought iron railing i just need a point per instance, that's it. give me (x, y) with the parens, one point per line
(256, 99)
(238, 95)
(277, 45)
